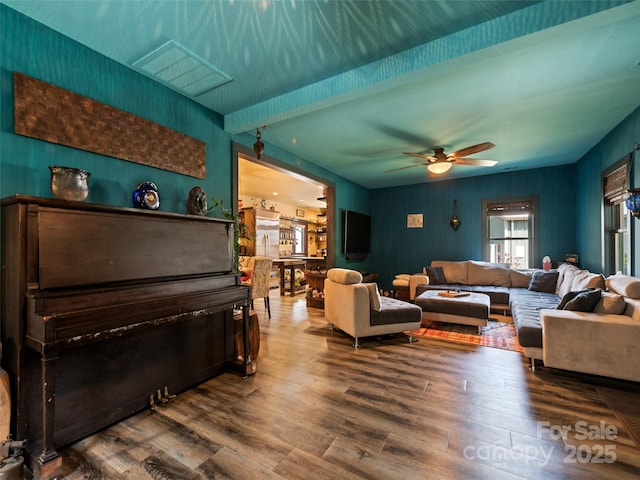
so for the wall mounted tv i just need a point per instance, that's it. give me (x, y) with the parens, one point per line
(356, 229)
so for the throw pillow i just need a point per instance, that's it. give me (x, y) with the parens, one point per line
(584, 301)
(436, 276)
(374, 296)
(570, 296)
(543, 281)
(611, 303)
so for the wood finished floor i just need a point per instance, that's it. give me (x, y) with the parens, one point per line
(319, 409)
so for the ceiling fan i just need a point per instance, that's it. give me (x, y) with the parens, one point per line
(440, 162)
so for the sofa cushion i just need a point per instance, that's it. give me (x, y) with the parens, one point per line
(394, 311)
(611, 303)
(624, 285)
(543, 281)
(566, 272)
(374, 296)
(583, 279)
(483, 273)
(520, 278)
(525, 308)
(584, 301)
(344, 276)
(436, 276)
(454, 272)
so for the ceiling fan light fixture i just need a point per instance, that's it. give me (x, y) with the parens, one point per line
(439, 167)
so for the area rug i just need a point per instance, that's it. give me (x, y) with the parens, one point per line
(498, 333)
(627, 407)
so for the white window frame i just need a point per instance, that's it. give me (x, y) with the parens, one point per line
(533, 228)
(616, 222)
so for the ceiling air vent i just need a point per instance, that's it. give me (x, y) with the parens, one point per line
(180, 69)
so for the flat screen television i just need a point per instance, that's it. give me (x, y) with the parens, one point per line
(356, 228)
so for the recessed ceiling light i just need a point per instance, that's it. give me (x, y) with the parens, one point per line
(274, 193)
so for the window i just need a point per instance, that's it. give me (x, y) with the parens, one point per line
(617, 237)
(299, 237)
(509, 231)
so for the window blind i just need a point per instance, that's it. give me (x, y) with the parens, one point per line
(509, 208)
(616, 185)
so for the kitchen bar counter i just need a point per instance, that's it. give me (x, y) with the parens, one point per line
(290, 264)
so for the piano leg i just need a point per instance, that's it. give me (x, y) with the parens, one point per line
(48, 464)
(248, 367)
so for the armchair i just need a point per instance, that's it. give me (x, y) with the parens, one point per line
(357, 308)
(406, 284)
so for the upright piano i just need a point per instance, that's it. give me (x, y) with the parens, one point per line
(104, 306)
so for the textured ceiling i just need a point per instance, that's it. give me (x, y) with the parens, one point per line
(350, 85)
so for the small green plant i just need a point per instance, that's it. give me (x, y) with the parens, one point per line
(239, 229)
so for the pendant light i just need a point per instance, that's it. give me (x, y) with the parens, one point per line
(455, 221)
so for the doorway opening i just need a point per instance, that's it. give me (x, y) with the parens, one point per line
(300, 202)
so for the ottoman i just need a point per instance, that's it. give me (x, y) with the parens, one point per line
(467, 309)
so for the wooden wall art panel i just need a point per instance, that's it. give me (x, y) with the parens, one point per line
(50, 113)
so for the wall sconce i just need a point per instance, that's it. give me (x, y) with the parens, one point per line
(633, 202)
(258, 147)
(455, 221)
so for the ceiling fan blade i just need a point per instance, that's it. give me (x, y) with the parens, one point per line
(402, 168)
(463, 152)
(475, 161)
(420, 155)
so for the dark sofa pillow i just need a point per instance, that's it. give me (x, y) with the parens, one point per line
(544, 281)
(570, 296)
(436, 276)
(584, 301)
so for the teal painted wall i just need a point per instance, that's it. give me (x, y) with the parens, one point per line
(40, 52)
(398, 249)
(614, 146)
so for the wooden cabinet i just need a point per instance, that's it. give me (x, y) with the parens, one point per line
(315, 280)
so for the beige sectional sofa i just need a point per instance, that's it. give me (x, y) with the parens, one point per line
(603, 341)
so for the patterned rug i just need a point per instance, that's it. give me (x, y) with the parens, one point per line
(498, 333)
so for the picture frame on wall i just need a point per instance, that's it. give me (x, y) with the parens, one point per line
(299, 212)
(414, 220)
(572, 258)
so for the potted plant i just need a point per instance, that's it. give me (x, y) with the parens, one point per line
(239, 228)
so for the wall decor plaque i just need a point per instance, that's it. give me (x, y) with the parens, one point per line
(50, 113)
(414, 220)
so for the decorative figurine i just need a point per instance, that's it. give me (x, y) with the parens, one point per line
(197, 201)
(146, 196)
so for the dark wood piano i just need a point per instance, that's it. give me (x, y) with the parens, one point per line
(104, 306)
